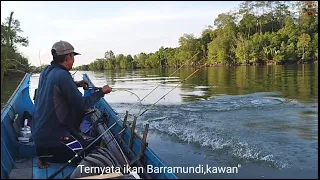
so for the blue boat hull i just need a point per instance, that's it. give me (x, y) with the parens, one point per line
(20, 102)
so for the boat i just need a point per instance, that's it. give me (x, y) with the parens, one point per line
(18, 158)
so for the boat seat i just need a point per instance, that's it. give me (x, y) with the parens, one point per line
(38, 173)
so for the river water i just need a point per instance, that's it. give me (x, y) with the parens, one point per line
(262, 120)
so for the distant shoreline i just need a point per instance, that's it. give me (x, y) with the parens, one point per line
(216, 65)
(18, 74)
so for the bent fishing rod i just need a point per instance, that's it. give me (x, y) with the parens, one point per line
(163, 81)
(151, 106)
(117, 89)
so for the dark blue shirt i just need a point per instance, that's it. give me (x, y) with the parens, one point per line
(57, 103)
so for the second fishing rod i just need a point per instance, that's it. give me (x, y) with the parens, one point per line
(117, 89)
(140, 100)
(184, 80)
(163, 81)
(152, 105)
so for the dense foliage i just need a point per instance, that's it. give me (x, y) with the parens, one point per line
(257, 32)
(14, 62)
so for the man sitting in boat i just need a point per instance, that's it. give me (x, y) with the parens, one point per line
(59, 108)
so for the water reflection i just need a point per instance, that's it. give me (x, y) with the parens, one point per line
(293, 82)
(8, 87)
(299, 82)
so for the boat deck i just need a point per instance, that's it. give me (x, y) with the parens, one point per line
(28, 169)
(23, 169)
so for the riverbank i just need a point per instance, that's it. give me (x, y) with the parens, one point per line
(268, 63)
(15, 74)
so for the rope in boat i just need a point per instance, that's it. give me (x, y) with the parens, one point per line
(80, 153)
(101, 157)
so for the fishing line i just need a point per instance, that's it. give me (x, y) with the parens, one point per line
(163, 81)
(151, 106)
(140, 101)
(74, 73)
(116, 89)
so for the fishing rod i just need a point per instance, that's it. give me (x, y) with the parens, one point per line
(121, 89)
(164, 81)
(74, 73)
(83, 150)
(151, 106)
(87, 147)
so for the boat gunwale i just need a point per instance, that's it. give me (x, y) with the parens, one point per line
(4, 116)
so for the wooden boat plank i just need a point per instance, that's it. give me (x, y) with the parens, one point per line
(21, 173)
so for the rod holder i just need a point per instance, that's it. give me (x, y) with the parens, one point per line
(133, 127)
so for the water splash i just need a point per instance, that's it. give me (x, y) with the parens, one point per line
(205, 138)
(219, 124)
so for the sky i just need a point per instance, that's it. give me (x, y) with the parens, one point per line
(94, 27)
